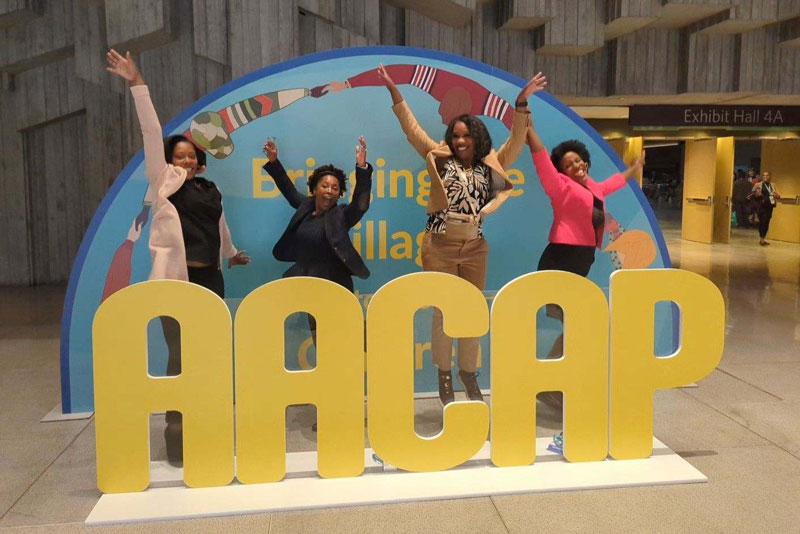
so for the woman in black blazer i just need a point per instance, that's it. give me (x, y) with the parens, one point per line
(317, 238)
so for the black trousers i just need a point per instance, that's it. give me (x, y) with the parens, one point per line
(211, 278)
(764, 217)
(742, 213)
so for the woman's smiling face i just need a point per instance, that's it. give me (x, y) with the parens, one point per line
(573, 166)
(463, 143)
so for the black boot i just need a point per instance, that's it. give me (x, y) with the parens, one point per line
(446, 395)
(470, 383)
(173, 435)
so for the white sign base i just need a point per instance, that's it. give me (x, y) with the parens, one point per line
(383, 484)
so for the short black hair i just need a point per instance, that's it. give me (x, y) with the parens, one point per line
(327, 170)
(572, 145)
(169, 147)
(481, 139)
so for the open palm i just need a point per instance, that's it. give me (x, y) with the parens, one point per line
(537, 83)
(124, 67)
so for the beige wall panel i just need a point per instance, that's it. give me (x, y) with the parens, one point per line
(392, 24)
(767, 67)
(14, 265)
(209, 75)
(18, 11)
(522, 14)
(210, 29)
(39, 40)
(711, 64)
(91, 42)
(789, 32)
(138, 25)
(788, 9)
(649, 47)
(456, 13)
(325, 9)
(262, 33)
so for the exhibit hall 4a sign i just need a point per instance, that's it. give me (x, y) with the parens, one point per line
(609, 372)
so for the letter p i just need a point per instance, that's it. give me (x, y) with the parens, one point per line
(636, 373)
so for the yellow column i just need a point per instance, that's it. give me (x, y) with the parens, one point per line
(264, 388)
(518, 376)
(633, 149)
(636, 373)
(390, 372)
(780, 158)
(125, 395)
(618, 144)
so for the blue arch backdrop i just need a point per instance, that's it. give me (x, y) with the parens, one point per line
(317, 118)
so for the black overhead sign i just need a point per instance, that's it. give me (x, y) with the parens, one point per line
(715, 116)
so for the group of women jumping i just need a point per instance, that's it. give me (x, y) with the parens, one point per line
(189, 236)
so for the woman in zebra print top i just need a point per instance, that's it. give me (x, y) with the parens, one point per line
(468, 181)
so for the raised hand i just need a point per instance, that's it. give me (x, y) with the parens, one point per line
(361, 152)
(639, 163)
(241, 258)
(390, 85)
(271, 149)
(537, 83)
(385, 76)
(124, 67)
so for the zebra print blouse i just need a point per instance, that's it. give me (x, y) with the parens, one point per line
(476, 190)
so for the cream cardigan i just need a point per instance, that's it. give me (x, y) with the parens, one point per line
(167, 251)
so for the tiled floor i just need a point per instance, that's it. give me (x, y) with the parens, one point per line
(741, 427)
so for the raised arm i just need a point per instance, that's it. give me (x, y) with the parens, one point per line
(278, 173)
(420, 140)
(509, 152)
(548, 175)
(359, 203)
(617, 181)
(155, 165)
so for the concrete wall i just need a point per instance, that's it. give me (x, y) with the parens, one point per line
(68, 128)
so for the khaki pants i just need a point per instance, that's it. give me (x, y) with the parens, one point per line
(467, 260)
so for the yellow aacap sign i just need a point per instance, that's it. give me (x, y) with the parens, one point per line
(608, 373)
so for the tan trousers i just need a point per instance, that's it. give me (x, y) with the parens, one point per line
(467, 260)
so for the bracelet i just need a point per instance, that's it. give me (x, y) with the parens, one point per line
(523, 104)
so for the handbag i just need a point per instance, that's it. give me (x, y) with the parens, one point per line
(462, 226)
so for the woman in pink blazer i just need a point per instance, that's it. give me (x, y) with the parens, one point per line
(578, 215)
(188, 235)
(578, 202)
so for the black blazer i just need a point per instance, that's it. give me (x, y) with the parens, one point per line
(338, 220)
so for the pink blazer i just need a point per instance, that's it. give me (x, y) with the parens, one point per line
(167, 251)
(572, 203)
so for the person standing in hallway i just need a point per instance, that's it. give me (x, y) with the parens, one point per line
(766, 197)
(741, 190)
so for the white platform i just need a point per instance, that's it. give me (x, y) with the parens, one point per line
(57, 414)
(380, 485)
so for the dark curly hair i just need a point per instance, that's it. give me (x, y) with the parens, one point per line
(172, 141)
(480, 135)
(327, 170)
(573, 145)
